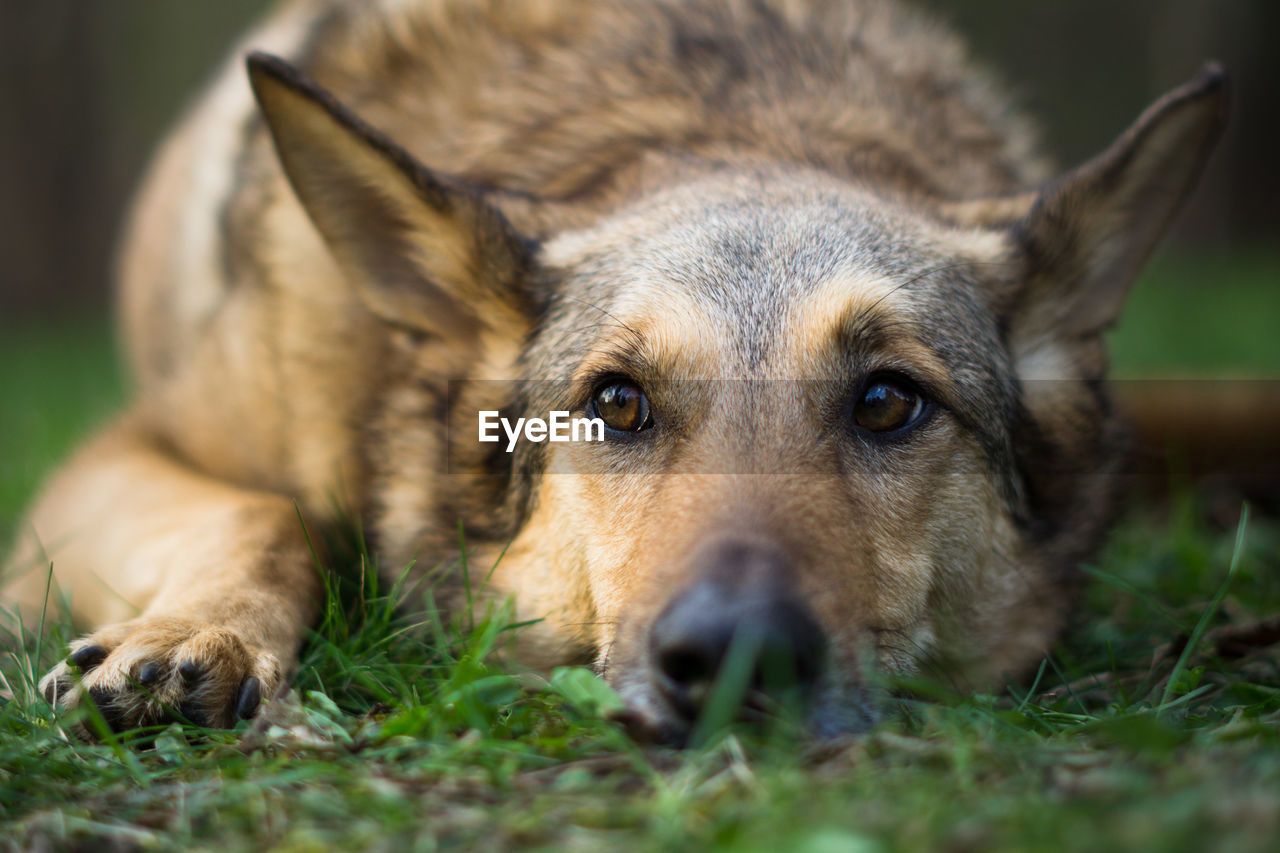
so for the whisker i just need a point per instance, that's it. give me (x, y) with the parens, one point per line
(929, 272)
(603, 311)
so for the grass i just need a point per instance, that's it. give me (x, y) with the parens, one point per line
(1148, 729)
(1155, 725)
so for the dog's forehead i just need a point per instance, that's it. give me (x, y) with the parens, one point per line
(758, 266)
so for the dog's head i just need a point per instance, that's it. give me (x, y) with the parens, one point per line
(844, 432)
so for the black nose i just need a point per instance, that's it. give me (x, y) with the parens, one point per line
(743, 617)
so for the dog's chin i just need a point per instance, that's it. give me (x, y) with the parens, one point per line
(834, 711)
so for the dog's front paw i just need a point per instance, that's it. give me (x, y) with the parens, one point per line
(149, 671)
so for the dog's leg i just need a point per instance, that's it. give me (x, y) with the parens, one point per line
(197, 591)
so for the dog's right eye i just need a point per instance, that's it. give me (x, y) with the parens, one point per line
(622, 406)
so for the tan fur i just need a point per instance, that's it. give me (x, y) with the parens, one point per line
(747, 208)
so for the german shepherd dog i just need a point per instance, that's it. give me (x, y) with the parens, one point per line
(842, 329)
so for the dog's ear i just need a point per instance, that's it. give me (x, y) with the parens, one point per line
(1082, 239)
(1076, 245)
(424, 251)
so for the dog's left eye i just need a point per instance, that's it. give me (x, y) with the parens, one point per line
(622, 406)
(888, 404)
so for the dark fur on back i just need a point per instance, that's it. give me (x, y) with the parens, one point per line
(868, 91)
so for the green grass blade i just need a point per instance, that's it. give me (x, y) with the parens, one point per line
(1209, 612)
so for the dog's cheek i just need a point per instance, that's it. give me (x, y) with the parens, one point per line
(992, 604)
(927, 549)
(543, 569)
(581, 560)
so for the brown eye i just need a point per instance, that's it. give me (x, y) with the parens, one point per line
(887, 405)
(622, 406)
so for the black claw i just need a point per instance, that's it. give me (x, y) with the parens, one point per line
(149, 673)
(190, 670)
(250, 698)
(87, 658)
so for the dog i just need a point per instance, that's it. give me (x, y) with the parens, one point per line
(833, 328)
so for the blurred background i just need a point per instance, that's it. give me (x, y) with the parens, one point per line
(87, 88)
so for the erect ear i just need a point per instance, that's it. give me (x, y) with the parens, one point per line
(1083, 238)
(424, 251)
(1078, 243)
